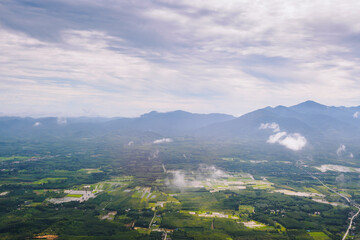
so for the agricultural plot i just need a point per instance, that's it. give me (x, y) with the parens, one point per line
(74, 195)
(252, 199)
(90, 170)
(49, 180)
(253, 224)
(108, 216)
(213, 214)
(13, 158)
(337, 168)
(319, 236)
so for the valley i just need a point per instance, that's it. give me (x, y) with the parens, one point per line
(140, 184)
(212, 199)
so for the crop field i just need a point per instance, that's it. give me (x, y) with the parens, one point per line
(319, 236)
(13, 158)
(74, 195)
(186, 201)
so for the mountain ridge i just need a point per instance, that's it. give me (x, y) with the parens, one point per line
(309, 118)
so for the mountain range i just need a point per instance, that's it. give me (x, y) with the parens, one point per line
(310, 119)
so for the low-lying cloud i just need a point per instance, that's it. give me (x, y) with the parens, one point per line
(179, 179)
(292, 141)
(36, 124)
(154, 154)
(182, 179)
(274, 126)
(163, 140)
(356, 115)
(206, 171)
(340, 150)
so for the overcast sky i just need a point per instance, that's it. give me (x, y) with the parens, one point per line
(124, 58)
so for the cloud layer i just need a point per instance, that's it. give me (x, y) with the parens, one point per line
(124, 58)
(341, 151)
(274, 126)
(292, 141)
(182, 179)
(163, 140)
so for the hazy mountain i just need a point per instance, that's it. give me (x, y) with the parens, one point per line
(170, 123)
(166, 124)
(309, 118)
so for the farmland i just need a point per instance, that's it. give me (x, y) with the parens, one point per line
(111, 193)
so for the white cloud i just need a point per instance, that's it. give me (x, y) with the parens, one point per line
(209, 171)
(162, 140)
(351, 155)
(274, 126)
(195, 178)
(292, 141)
(356, 115)
(37, 124)
(236, 51)
(341, 149)
(179, 179)
(276, 137)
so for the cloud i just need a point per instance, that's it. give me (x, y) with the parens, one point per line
(292, 141)
(61, 121)
(154, 154)
(209, 171)
(36, 124)
(276, 137)
(212, 53)
(179, 179)
(356, 115)
(195, 178)
(163, 140)
(274, 126)
(340, 150)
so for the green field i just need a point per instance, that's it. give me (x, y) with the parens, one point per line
(13, 158)
(136, 187)
(318, 236)
(49, 180)
(74, 195)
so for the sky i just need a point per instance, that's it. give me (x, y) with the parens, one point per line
(125, 57)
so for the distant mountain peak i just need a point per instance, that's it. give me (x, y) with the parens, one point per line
(156, 113)
(152, 113)
(280, 107)
(309, 104)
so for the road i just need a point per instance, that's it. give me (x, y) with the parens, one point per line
(152, 219)
(351, 222)
(352, 203)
